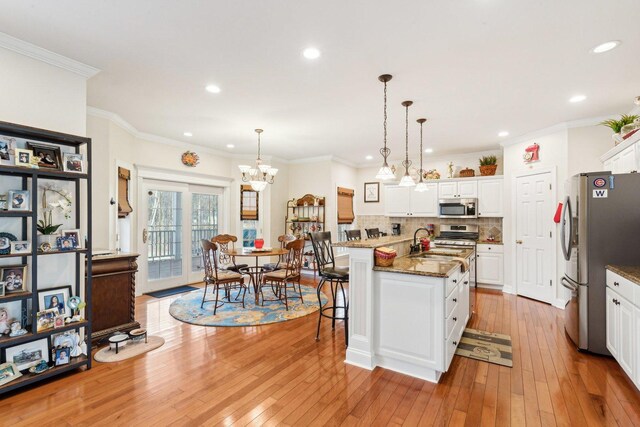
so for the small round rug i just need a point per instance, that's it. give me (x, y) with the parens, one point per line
(130, 350)
(187, 309)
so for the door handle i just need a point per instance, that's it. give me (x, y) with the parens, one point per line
(145, 235)
(568, 285)
(519, 242)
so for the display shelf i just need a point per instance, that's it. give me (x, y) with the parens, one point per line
(16, 296)
(7, 341)
(70, 251)
(29, 378)
(16, 214)
(42, 173)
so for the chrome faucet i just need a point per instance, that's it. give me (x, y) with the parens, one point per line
(416, 246)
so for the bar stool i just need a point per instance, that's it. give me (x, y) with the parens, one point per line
(336, 277)
(353, 235)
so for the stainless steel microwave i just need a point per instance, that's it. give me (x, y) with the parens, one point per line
(458, 208)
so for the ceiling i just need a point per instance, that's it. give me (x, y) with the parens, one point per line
(473, 67)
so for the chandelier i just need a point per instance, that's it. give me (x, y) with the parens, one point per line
(406, 180)
(421, 186)
(385, 171)
(260, 175)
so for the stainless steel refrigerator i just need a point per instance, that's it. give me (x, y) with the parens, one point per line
(600, 225)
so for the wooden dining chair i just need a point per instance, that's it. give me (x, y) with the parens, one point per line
(353, 235)
(280, 280)
(226, 243)
(217, 278)
(281, 263)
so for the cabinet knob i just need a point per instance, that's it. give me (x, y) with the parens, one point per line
(616, 284)
(455, 300)
(455, 343)
(519, 242)
(455, 319)
(615, 301)
(466, 282)
(455, 281)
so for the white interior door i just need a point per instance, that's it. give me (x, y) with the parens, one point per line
(174, 217)
(534, 242)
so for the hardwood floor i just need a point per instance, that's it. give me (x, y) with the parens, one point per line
(279, 375)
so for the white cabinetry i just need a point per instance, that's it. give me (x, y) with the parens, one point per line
(405, 201)
(490, 265)
(490, 198)
(625, 157)
(458, 189)
(623, 323)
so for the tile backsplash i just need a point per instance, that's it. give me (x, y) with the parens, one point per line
(489, 227)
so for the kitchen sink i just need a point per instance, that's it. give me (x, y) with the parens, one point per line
(446, 251)
(432, 257)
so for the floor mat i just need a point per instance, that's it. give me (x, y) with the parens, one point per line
(486, 346)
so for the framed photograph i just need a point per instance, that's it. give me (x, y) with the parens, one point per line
(75, 234)
(1, 289)
(73, 162)
(8, 373)
(7, 150)
(44, 247)
(23, 157)
(19, 200)
(48, 155)
(21, 247)
(55, 298)
(14, 278)
(58, 322)
(28, 354)
(45, 319)
(66, 243)
(62, 355)
(371, 192)
(5, 243)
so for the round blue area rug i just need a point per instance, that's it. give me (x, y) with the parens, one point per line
(187, 309)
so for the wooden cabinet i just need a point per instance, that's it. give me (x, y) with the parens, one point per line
(113, 296)
(405, 201)
(491, 198)
(458, 189)
(490, 265)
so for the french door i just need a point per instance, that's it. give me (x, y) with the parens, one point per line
(174, 218)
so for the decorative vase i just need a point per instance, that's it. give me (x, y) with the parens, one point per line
(488, 170)
(48, 238)
(617, 138)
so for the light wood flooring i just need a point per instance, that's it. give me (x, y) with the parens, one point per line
(279, 375)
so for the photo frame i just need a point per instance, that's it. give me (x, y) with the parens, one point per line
(58, 322)
(5, 243)
(371, 192)
(8, 373)
(55, 298)
(7, 150)
(1, 289)
(73, 162)
(19, 200)
(28, 354)
(49, 156)
(21, 247)
(61, 355)
(14, 278)
(45, 319)
(75, 234)
(23, 157)
(66, 243)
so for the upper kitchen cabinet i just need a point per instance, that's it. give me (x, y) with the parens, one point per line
(467, 189)
(405, 201)
(490, 198)
(625, 157)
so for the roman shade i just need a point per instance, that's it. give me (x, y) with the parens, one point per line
(124, 207)
(345, 206)
(248, 203)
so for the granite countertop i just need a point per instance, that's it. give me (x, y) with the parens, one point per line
(628, 272)
(374, 243)
(410, 264)
(488, 242)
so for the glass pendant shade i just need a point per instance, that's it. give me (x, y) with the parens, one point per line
(421, 187)
(407, 181)
(385, 173)
(259, 175)
(258, 185)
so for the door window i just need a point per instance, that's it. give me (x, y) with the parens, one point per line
(164, 254)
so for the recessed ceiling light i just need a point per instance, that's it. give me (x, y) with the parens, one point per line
(311, 53)
(187, 134)
(577, 98)
(428, 150)
(230, 145)
(212, 89)
(369, 157)
(503, 133)
(606, 47)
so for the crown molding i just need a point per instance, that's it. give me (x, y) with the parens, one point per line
(32, 51)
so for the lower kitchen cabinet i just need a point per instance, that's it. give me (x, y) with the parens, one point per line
(490, 265)
(623, 324)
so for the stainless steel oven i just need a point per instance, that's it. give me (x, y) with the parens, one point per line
(458, 208)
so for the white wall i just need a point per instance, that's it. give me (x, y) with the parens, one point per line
(586, 145)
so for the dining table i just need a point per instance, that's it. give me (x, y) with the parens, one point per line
(255, 272)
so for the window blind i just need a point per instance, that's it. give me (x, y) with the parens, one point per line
(345, 206)
(124, 207)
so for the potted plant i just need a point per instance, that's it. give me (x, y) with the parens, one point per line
(45, 226)
(617, 125)
(488, 165)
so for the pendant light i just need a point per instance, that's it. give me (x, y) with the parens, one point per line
(406, 180)
(421, 186)
(260, 175)
(385, 171)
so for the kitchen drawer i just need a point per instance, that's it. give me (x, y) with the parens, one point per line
(452, 343)
(450, 303)
(452, 281)
(624, 287)
(481, 247)
(457, 316)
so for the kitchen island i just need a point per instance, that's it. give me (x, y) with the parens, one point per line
(408, 317)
